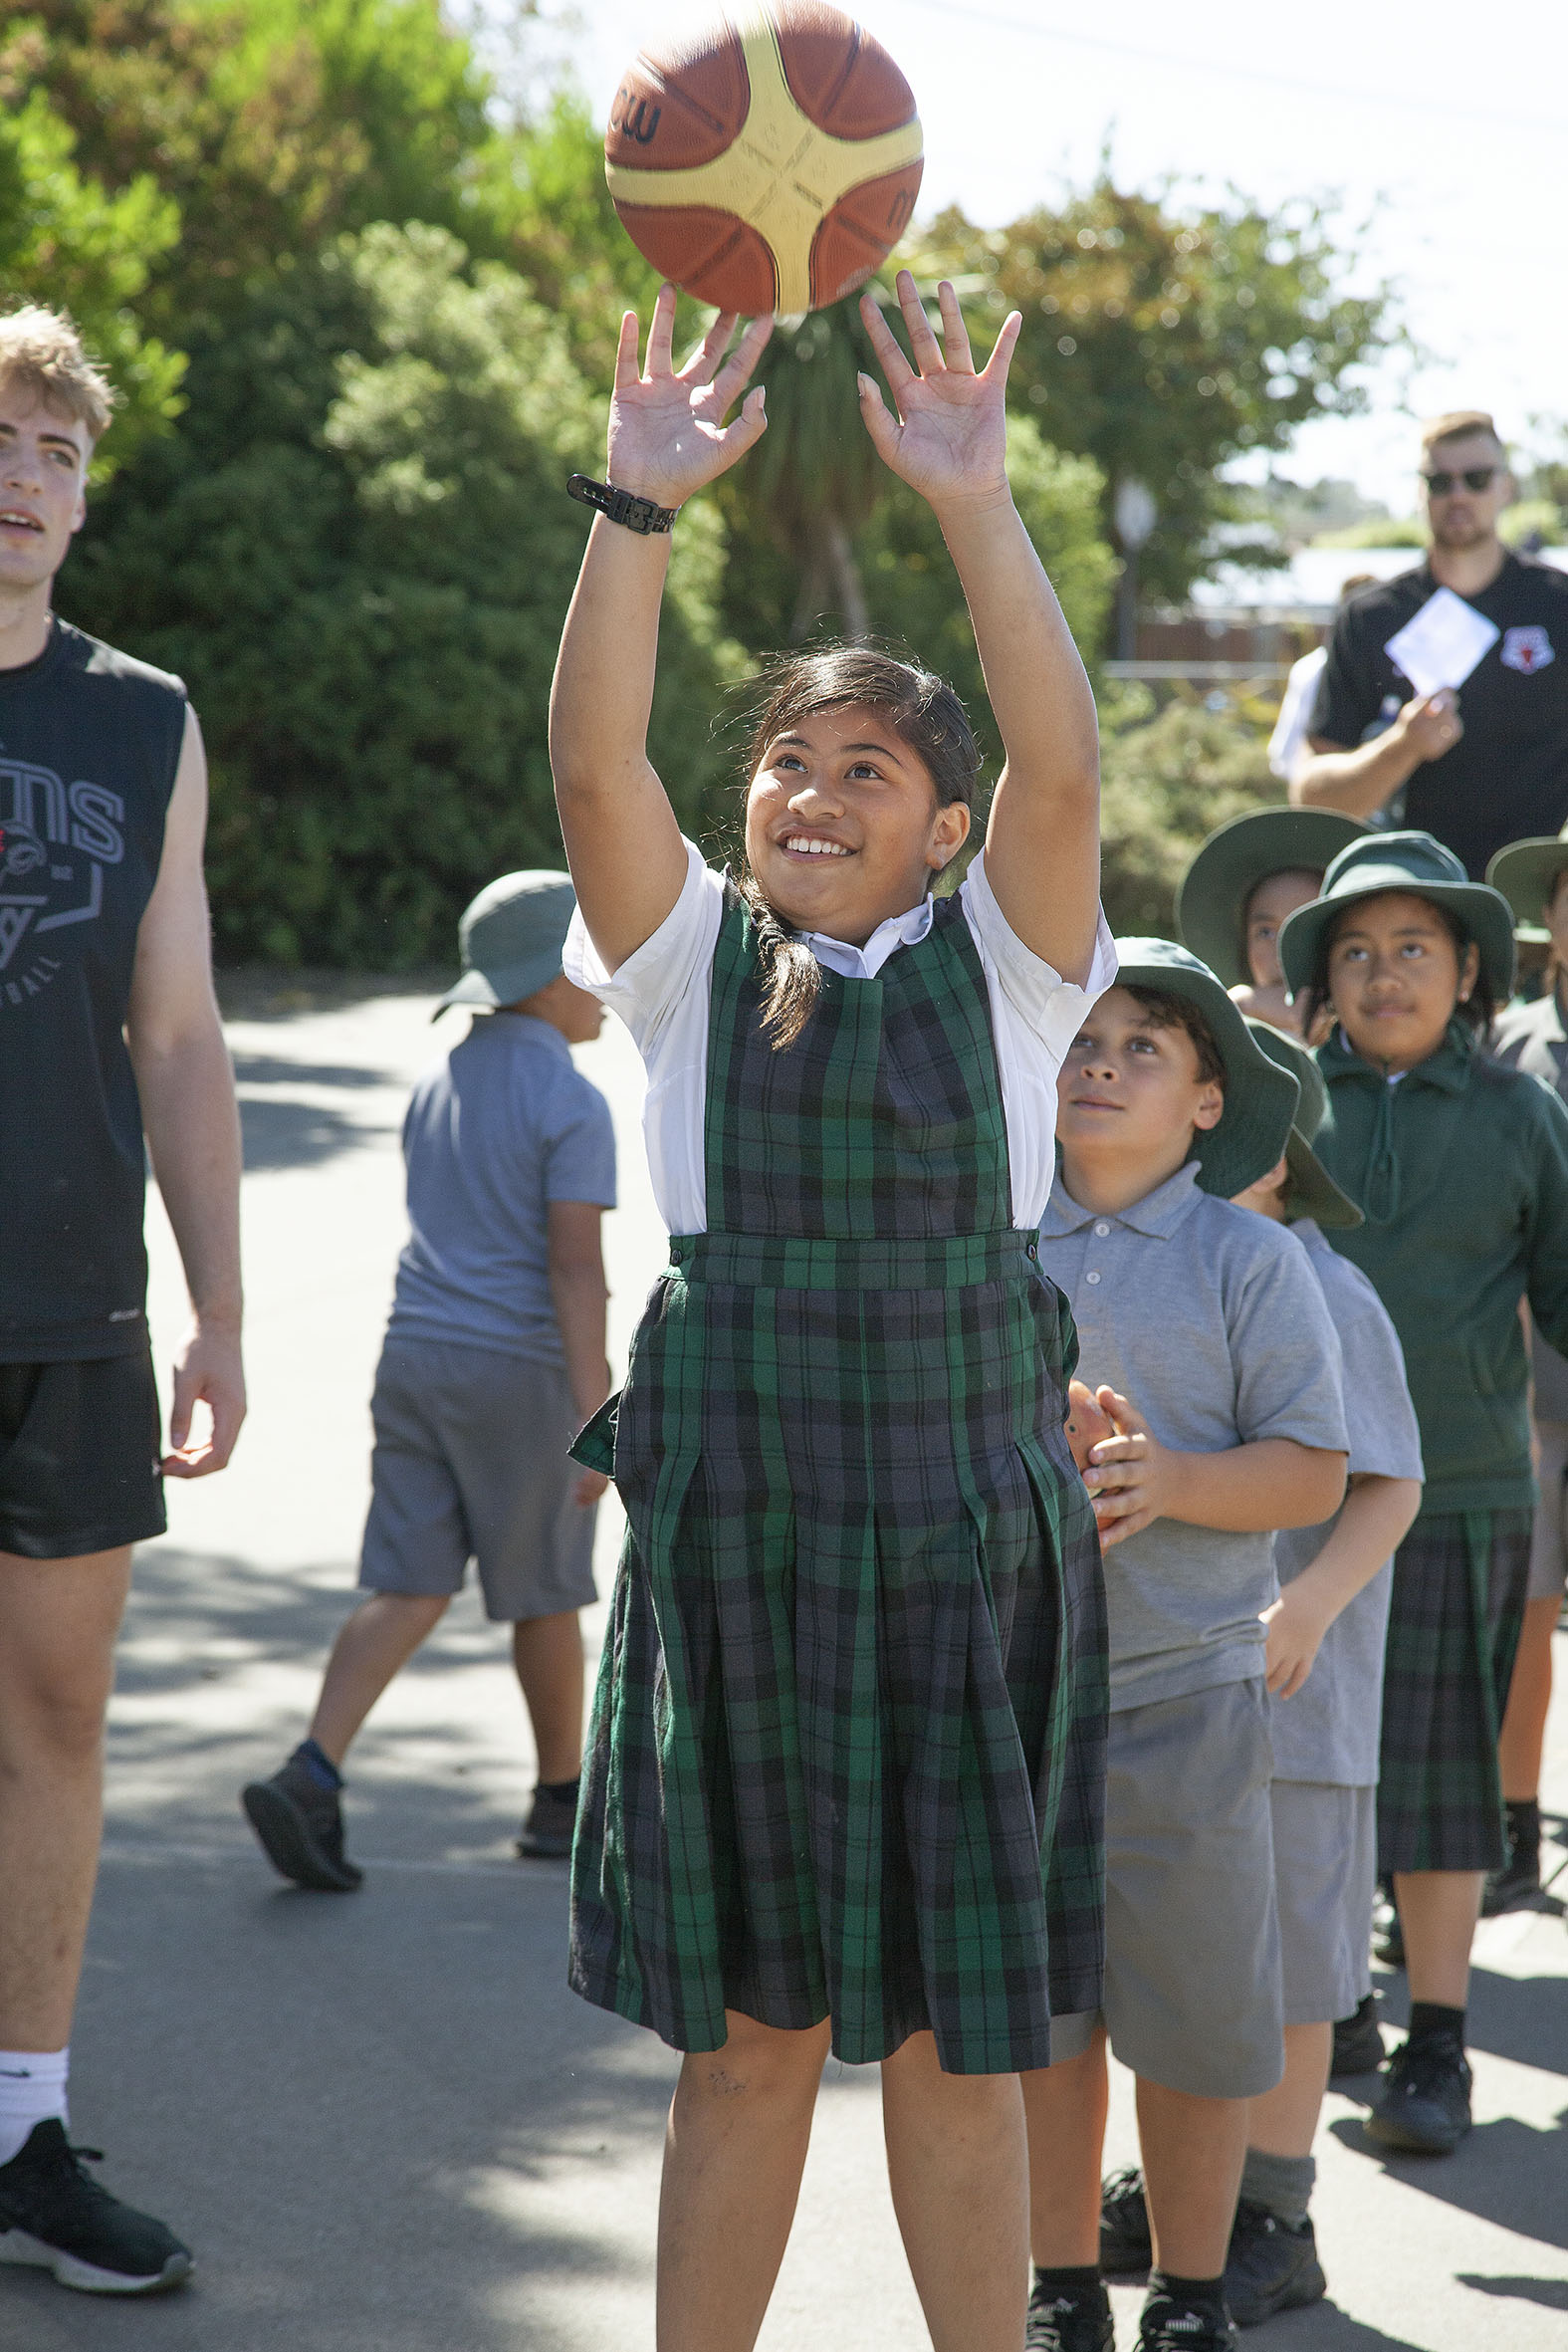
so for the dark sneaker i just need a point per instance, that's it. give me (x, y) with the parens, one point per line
(1516, 1886)
(545, 1835)
(1125, 2246)
(54, 2216)
(1425, 2104)
(1271, 2266)
(1358, 2041)
(1063, 2323)
(1170, 2326)
(301, 1826)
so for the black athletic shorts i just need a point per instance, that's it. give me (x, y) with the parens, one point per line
(79, 1457)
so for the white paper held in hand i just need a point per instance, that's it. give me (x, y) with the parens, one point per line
(1441, 644)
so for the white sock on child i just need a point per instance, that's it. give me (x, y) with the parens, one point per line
(31, 2089)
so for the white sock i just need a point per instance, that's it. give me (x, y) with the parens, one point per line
(31, 2089)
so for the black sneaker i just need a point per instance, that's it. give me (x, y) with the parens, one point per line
(1126, 2250)
(1170, 2326)
(1062, 2324)
(1516, 1886)
(301, 1826)
(545, 1835)
(54, 2216)
(1358, 2041)
(1425, 2104)
(1269, 2266)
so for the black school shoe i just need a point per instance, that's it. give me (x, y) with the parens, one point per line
(1168, 2324)
(1424, 2109)
(301, 1827)
(1269, 2266)
(1126, 2249)
(1061, 2324)
(1357, 2042)
(54, 2216)
(545, 1835)
(1516, 1886)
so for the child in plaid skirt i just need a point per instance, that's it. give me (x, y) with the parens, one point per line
(1461, 1168)
(846, 1771)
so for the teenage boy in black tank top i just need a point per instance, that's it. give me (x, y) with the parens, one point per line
(108, 1029)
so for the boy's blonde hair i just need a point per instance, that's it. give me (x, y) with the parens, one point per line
(1457, 425)
(41, 351)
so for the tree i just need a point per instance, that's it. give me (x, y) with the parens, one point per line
(1168, 778)
(1164, 343)
(358, 552)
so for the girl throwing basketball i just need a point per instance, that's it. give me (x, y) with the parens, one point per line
(845, 1768)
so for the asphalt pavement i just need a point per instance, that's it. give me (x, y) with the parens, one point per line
(382, 2120)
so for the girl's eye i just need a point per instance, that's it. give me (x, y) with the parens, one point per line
(863, 769)
(787, 760)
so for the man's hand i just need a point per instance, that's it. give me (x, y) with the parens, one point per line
(1131, 1478)
(1430, 724)
(1295, 1632)
(207, 1371)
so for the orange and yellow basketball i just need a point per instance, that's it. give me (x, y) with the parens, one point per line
(769, 163)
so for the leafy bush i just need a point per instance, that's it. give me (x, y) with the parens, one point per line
(1167, 779)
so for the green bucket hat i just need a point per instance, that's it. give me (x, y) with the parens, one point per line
(1403, 861)
(1211, 899)
(1527, 872)
(1259, 1097)
(510, 937)
(1311, 1191)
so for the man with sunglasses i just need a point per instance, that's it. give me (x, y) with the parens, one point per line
(1482, 765)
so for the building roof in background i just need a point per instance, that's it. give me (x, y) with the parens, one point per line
(1308, 587)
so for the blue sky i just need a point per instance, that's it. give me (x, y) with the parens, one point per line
(1452, 122)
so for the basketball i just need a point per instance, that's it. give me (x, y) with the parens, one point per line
(769, 163)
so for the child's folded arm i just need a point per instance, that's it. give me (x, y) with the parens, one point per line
(1377, 1517)
(1253, 1489)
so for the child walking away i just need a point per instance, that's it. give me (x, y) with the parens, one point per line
(1533, 877)
(1215, 1419)
(494, 1354)
(845, 1771)
(1244, 880)
(1326, 1637)
(1461, 1170)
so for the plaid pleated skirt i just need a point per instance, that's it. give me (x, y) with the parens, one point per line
(1458, 1604)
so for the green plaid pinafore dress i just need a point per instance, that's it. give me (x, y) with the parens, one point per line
(846, 1755)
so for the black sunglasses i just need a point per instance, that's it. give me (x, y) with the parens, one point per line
(1474, 477)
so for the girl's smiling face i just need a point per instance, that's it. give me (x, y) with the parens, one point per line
(1395, 976)
(843, 825)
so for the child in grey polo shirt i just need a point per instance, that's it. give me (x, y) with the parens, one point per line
(1214, 1417)
(494, 1356)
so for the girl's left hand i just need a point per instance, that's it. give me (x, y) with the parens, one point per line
(949, 439)
(1295, 1634)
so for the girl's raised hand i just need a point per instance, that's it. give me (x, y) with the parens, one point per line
(667, 434)
(949, 439)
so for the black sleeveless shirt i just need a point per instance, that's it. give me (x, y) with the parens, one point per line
(89, 741)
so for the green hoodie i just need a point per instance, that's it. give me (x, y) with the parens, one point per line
(1462, 1168)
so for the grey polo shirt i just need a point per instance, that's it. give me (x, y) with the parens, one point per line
(1210, 1320)
(1329, 1729)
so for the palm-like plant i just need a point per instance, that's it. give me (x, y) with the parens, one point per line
(814, 476)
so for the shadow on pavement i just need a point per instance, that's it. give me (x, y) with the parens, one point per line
(1550, 2293)
(287, 1134)
(1505, 2172)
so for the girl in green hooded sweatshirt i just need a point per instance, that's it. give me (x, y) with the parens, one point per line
(1461, 1168)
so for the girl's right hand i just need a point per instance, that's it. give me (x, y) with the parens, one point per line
(667, 435)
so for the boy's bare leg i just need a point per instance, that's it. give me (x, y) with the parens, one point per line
(547, 1654)
(57, 1622)
(958, 2166)
(1438, 1910)
(1193, 2153)
(1529, 1698)
(380, 1638)
(1064, 2109)
(1284, 2122)
(739, 2129)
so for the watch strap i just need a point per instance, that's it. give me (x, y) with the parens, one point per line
(622, 506)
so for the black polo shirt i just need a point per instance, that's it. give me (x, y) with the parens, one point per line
(1507, 776)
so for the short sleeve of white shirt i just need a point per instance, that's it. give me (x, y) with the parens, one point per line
(661, 993)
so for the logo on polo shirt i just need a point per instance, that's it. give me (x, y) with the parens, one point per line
(1527, 649)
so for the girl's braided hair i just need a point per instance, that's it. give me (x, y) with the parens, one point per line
(921, 709)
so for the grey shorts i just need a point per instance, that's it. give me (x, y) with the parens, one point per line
(1193, 1992)
(471, 1463)
(1325, 1869)
(1549, 1556)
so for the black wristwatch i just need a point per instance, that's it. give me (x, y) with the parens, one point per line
(622, 506)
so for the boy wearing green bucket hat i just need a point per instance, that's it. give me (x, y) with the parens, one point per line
(1460, 1167)
(1244, 880)
(1215, 1419)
